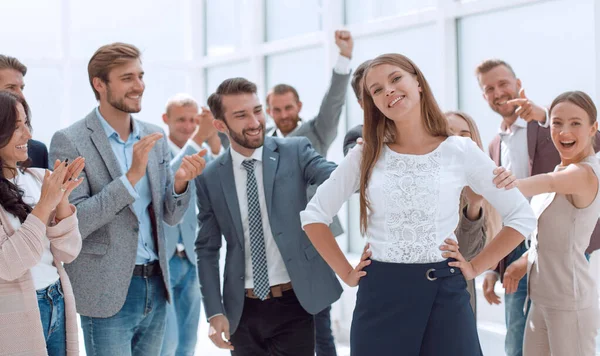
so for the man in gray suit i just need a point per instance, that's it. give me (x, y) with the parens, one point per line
(275, 281)
(284, 106)
(189, 133)
(121, 277)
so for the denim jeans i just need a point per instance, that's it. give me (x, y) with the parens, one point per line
(183, 313)
(324, 343)
(513, 311)
(137, 329)
(52, 311)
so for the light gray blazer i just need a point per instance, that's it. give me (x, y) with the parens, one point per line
(188, 225)
(109, 227)
(289, 166)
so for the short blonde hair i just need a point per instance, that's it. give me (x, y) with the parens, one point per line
(108, 57)
(180, 99)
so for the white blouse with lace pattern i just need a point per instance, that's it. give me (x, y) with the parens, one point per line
(415, 198)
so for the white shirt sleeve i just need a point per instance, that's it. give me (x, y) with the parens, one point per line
(342, 66)
(334, 192)
(510, 204)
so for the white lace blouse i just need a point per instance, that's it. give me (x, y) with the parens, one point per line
(415, 198)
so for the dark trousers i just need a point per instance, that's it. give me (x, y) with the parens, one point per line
(325, 345)
(399, 311)
(274, 327)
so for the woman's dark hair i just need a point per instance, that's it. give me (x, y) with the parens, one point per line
(11, 197)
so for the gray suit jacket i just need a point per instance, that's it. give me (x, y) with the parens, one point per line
(109, 227)
(322, 130)
(289, 166)
(188, 225)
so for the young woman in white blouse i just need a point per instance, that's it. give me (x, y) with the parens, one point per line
(410, 175)
(38, 232)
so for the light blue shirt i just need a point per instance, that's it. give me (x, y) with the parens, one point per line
(146, 251)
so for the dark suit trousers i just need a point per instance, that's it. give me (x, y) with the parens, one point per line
(274, 327)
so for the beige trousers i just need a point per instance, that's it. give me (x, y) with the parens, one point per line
(560, 332)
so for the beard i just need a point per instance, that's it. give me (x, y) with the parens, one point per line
(119, 104)
(505, 111)
(241, 139)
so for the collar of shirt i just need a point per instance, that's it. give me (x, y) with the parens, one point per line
(518, 124)
(238, 158)
(110, 132)
(174, 148)
(278, 132)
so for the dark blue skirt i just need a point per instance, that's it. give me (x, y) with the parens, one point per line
(399, 311)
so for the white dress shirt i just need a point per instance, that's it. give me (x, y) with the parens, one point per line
(277, 271)
(415, 198)
(514, 152)
(44, 273)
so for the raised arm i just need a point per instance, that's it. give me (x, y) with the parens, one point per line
(94, 211)
(575, 179)
(65, 239)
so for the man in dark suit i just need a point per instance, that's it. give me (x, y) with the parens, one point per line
(275, 281)
(524, 146)
(12, 73)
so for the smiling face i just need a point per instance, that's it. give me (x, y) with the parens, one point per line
(458, 126)
(244, 122)
(124, 88)
(499, 85)
(395, 92)
(572, 131)
(16, 148)
(285, 111)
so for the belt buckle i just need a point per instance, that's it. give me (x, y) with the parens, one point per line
(428, 274)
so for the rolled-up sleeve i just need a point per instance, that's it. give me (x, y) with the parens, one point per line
(334, 192)
(510, 204)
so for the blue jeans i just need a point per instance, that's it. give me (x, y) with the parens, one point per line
(52, 311)
(183, 313)
(137, 329)
(513, 311)
(324, 343)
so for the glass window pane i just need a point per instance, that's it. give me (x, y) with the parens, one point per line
(216, 75)
(533, 48)
(223, 30)
(305, 71)
(161, 84)
(31, 28)
(156, 27)
(360, 11)
(44, 93)
(287, 18)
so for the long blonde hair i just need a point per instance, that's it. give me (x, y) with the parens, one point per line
(379, 130)
(492, 221)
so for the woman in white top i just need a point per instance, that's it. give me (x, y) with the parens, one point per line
(563, 318)
(38, 231)
(410, 175)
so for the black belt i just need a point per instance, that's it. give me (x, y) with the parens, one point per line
(148, 270)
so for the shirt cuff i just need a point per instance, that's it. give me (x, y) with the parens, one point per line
(187, 188)
(342, 66)
(214, 316)
(546, 123)
(194, 145)
(129, 187)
